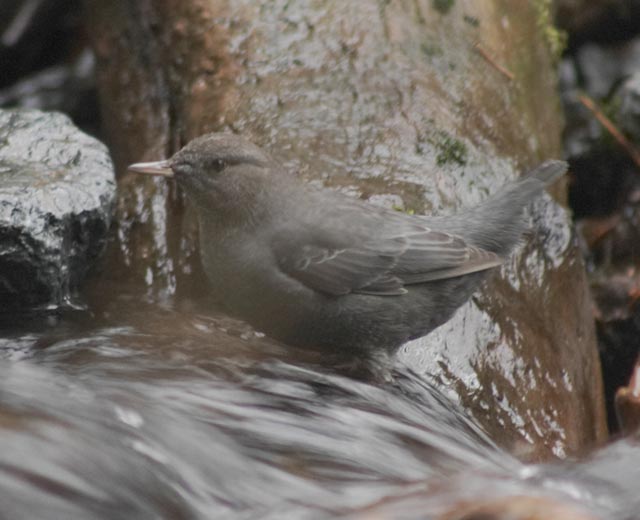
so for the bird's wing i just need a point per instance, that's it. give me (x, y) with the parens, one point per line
(403, 254)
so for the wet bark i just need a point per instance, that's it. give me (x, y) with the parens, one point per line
(420, 105)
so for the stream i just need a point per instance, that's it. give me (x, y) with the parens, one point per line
(133, 409)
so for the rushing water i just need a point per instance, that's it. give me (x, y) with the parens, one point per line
(135, 410)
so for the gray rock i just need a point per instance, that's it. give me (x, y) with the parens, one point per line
(57, 191)
(629, 107)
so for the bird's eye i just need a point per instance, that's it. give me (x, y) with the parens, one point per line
(218, 164)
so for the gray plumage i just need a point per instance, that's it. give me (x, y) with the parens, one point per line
(316, 268)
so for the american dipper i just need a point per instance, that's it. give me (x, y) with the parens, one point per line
(314, 267)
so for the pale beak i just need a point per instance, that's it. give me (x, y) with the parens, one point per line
(162, 168)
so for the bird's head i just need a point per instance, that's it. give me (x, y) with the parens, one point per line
(213, 169)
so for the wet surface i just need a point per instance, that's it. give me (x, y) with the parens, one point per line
(226, 421)
(131, 409)
(144, 402)
(487, 359)
(57, 190)
(377, 102)
(134, 410)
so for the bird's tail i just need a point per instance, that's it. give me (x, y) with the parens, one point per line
(497, 224)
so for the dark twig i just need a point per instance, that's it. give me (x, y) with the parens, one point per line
(611, 128)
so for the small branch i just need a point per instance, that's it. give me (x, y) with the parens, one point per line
(627, 403)
(482, 52)
(611, 128)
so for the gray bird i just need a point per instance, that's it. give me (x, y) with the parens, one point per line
(315, 268)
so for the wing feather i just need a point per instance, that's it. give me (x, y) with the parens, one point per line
(401, 254)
